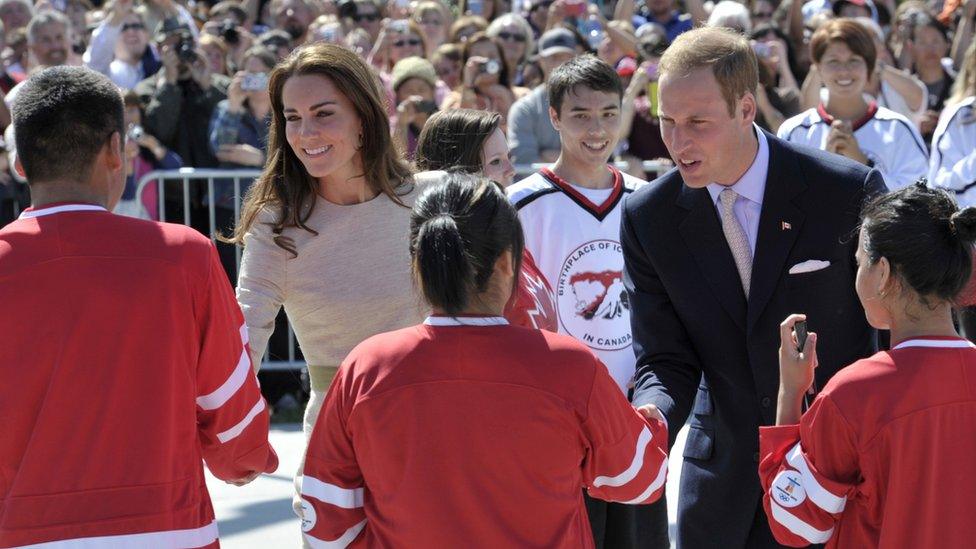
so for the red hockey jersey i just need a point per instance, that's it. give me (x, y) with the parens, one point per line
(124, 363)
(883, 457)
(470, 432)
(533, 304)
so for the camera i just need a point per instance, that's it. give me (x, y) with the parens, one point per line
(135, 133)
(254, 81)
(762, 50)
(229, 32)
(490, 67)
(185, 49)
(426, 107)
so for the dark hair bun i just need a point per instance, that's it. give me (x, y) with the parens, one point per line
(963, 224)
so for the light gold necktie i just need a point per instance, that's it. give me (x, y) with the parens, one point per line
(736, 237)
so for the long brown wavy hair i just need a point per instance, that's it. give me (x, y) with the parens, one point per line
(285, 184)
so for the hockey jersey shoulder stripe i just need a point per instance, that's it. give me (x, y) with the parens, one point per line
(525, 201)
(805, 120)
(528, 186)
(951, 114)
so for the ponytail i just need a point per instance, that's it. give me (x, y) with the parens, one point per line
(458, 229)
(442, 263)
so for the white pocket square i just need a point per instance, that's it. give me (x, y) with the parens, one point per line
(809, 266)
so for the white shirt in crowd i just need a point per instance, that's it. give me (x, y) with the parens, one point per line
(892, 143)
(953, 162)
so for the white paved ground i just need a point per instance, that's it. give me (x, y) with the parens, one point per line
(259, 515)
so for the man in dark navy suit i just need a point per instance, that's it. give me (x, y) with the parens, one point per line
(746, 230)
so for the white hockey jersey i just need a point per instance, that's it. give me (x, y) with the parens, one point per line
(574, 235)
(953, 162)
(889, 140)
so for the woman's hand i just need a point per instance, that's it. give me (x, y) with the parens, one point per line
(243, 154)
(795, 370)
(473, 75)
(235, 93)
(841, 140)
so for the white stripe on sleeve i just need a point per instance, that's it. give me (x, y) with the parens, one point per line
(343, 541)
(347, 498)
(168, 539)
(236, 430)
(662, 475)
(819, 495)
(635, 466)
(797, 526)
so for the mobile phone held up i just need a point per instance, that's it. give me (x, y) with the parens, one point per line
(800, 329)
(575, 8)
(254, 81)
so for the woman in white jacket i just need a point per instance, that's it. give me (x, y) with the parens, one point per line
(952, 165)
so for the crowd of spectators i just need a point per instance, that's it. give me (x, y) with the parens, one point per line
(195, 72)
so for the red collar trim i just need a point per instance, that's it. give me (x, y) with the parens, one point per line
(857, 124)
(579, 198)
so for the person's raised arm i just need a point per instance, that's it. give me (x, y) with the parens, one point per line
(668, 369)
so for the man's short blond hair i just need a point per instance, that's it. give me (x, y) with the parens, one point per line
(727, 52)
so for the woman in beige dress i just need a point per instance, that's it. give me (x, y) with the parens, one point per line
(325, 228)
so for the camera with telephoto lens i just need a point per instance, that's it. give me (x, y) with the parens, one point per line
(229, 32)
(185, 49)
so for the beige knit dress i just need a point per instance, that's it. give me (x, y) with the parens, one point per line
(349, 282)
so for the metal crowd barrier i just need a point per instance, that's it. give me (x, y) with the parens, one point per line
(201, 176)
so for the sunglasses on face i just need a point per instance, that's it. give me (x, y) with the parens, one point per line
(133, 26)
(371, 17)
(509, 36)
(406, 42)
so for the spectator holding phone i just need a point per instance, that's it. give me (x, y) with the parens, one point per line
(143, 154)
(239, 139)
(484, 81)
(414, 82)
(848, 123)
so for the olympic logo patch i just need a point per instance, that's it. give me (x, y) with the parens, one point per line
(788, 489)
(308, 516)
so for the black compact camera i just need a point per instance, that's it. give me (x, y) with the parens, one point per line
(229, 32)
(185, 49)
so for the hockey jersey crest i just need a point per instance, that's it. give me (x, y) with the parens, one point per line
(574, 236)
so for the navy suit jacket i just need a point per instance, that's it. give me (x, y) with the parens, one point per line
(703, 349)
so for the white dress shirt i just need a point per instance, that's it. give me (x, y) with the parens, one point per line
(750, 187)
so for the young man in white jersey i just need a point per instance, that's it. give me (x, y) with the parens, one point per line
(570, 214)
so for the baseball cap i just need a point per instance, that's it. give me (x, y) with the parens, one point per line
(168, 26)
(557, 41)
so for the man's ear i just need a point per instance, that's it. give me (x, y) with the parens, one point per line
(114, 152)
(18, 167)
(748, 106)
(554, 118)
